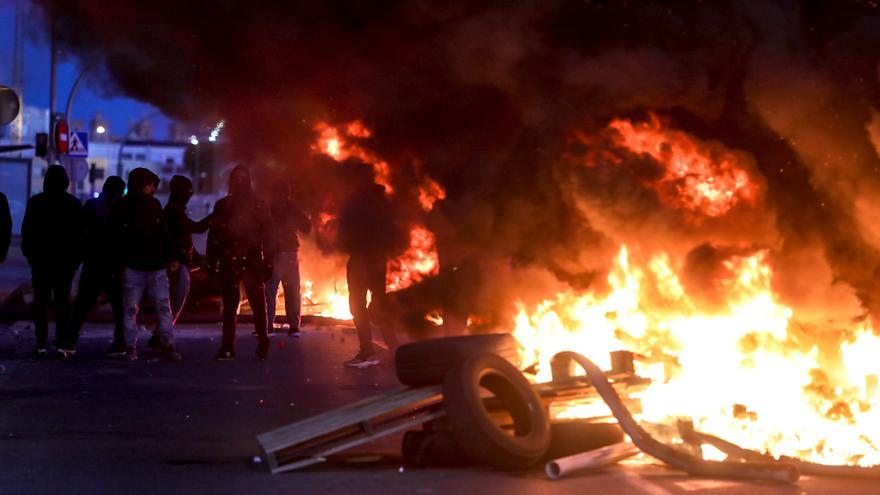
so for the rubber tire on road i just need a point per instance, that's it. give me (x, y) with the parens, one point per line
(431, 449)
(424, 363)
(480, 439)
(572, 436)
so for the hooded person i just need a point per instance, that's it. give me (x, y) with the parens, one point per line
(99, 273)
(287, 220)
(182, 227)
(51, 241)
(145, 253)
(367, 233)
(238, 254)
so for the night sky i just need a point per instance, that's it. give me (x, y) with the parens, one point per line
(118, 109)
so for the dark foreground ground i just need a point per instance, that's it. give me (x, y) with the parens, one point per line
(102, 427)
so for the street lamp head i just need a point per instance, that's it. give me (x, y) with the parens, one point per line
(100, 129)
(193, 140)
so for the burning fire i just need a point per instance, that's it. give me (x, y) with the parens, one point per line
(417, 262)
(343, 145)
(742, 372)
(698, 176)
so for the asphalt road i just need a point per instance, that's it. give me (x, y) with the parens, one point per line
(97, 426)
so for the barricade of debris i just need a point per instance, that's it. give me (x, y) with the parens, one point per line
(475, 406)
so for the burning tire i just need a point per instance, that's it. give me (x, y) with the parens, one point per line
(426, 363)
(480, 438)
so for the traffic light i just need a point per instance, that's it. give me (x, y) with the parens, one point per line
(41, 146)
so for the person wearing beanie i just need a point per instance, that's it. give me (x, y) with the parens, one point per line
(145, 254)
(51, 241)
(99, 273)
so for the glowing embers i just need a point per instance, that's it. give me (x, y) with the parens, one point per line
(745, 370)
(700, 177)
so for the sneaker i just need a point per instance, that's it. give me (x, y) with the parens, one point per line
(117, 349)
(362, 361)
(225, 355)
(130, 354)
(293, 332)
(40, 353)
(262, 350)
(169, 352)
(65, 353)
(155, 342)
(269, 332)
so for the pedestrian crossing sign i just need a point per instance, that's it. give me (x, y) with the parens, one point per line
(79, 144)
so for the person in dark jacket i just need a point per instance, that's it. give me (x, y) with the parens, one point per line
(238, 244)
(5, 227)
(182, 227)
(144, 248)
(287, 220)
(367, 233)
(99, 273)
(51, 240)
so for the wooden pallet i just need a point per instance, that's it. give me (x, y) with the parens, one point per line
(311, 440)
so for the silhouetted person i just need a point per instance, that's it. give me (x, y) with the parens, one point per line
(145, 250)
(287, 220)
(100, 273)
(238, 243)
(51, 240)
(367, 233)
(5, 227)
(182, 227)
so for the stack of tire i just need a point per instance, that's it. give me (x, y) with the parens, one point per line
(465, 366)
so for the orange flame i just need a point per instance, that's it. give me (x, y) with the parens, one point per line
(429, 193)
(739, 372)
(416, 263)
(342, 146)
(698, 176)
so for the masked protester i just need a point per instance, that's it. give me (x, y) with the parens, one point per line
(5, 227)
(238, 242)
(181, 228)
(99, 273)
(145, 249)
(367, 233)
(51, 240)
(287, 220)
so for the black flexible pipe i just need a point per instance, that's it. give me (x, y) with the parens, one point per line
(761, 470)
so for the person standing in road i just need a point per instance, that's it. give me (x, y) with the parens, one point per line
(145, 248)
(238, 254)
(100, 273)
(181, 227)
(5, 227)
(51, 240)
(287, 220)
(367, 234)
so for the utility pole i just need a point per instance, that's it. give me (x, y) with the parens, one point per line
(53, 60)
(18, 64)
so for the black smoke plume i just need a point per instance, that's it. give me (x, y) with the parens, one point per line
(484, 96)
